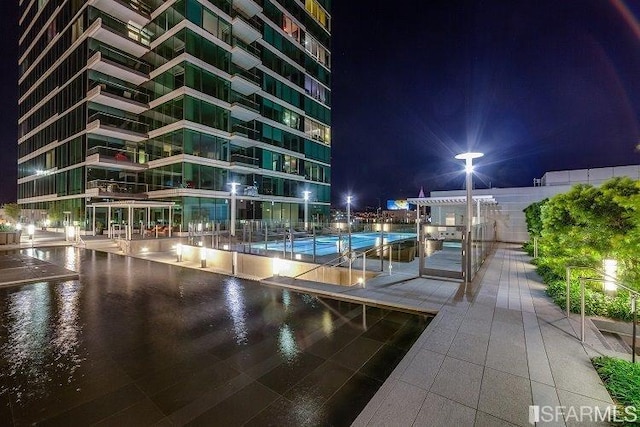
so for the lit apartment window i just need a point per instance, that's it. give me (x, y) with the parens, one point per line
(291, 28)
(317, 131)
(316, 50)
(315, 89)
(317, 12)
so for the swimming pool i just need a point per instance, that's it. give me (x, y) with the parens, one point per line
(327, 245)
(133, 341)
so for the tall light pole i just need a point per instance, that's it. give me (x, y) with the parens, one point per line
(468, 158)
(306, 209)
(234, 191)
(349, 220)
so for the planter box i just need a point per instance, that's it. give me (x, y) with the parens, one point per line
(10, 237)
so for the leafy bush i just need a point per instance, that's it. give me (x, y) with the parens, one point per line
(622, 380)
(6, 227)
(595, 302)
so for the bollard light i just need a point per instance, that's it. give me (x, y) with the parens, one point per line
(203, 257)
(610, 275)
(276, 266)
(179, 252)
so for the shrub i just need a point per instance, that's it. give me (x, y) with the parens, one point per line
(622, 380)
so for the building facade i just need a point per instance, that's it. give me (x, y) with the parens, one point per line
(511, 224)
(176, 100)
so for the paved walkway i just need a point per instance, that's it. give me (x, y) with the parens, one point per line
(494, 348)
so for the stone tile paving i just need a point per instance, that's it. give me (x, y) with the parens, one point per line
(492, 351)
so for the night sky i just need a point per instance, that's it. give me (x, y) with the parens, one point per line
(535, 85)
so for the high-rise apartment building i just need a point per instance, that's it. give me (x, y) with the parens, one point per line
(176, 100)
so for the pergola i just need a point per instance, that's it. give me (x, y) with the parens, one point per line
(454, 201)
(130, 206)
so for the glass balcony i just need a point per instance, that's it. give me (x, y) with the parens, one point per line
(249, 7)
(246, 82)
(127, 37)
(113, 63)
(246, 29)
(137, 11)
(244, 55)
(121, 97)
(117, 158)
(242, 160)
(117, 189)
(244, 108)
(117, 127)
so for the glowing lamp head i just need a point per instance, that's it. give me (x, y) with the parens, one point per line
(179, 249)
(31, 229)
(610, 274)
(306, 195)
(468, 158)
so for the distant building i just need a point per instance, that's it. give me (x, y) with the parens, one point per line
(508, 213)
(174, 101)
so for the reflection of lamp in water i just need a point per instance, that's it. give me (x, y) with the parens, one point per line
(610, 275)
(232, 218)
(349, 220)
(306, 209)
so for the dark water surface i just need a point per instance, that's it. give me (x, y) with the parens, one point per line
(136, 343)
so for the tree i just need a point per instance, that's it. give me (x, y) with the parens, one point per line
(589, 224)
(12, 210)
(533, 217)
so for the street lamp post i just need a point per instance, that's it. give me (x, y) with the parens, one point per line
(349, 221)
(306, 209)
(468, 158)
(234, 191)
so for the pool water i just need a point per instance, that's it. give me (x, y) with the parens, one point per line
(138, 342)
(327, 245)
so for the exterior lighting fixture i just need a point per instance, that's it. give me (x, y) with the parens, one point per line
(179, 252)
(203, 257)
(610, 275)
(468, 158)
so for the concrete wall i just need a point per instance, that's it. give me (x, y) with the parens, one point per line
(250, 266)
(511, 225)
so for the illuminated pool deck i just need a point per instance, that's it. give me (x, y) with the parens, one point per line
(328, 245)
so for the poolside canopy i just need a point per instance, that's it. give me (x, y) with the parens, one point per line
(451, 201)
(130, 205)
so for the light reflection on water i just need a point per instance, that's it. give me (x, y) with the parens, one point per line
(287, 345)
(42, 338)
(234, 297)
(76, 339)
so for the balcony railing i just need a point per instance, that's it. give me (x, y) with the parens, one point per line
(126, 30)
(106, 187)
(247, 74)
(250, 133)
(122, 59)
(237, 98)
(244, 160)
(236, 42)
(119, 123)
(119, 154)
(123, 92)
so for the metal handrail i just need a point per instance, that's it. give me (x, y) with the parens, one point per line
(600, 273)
(352, 258)
(634, 295)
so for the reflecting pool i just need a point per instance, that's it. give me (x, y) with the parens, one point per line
(136, 342)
